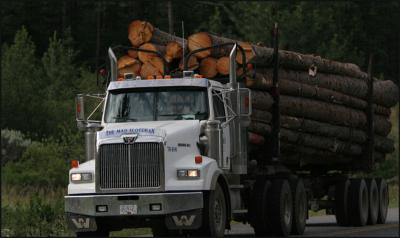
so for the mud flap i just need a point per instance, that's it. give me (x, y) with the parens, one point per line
(80, 223)
(187, 220)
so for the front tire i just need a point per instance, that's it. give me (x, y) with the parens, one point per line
(215, 213)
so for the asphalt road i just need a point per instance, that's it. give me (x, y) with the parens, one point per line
(326, 226)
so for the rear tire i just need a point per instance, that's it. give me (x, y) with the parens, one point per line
(373, 198)
(383, 200)
(258, 207)
(358, 202)
(300, 207)
(280, 206)
(342, 191)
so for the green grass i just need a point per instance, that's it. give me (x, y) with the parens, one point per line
(393, 196)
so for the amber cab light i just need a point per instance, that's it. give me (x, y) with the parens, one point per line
(167, 77)
(198, 159)
(150, 77)
(159, 77)
(74, 163)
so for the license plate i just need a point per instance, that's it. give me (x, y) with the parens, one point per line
(128, 209)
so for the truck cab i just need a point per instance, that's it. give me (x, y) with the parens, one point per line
(167, 154)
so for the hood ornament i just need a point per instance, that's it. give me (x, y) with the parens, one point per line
(130, 139)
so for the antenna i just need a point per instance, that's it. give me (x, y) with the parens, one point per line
(183, 43)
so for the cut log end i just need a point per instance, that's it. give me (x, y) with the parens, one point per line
(133, 53)
(193, 63)
(148, 69)
(248, 51)
(223, 65)
(140, 32)
(173, 50)
(146, 56)
(200, 40)
(208, 67)
(127, 64)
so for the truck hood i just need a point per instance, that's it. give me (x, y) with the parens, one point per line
(151, 131)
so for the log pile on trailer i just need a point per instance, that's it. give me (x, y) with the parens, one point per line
(323, 103)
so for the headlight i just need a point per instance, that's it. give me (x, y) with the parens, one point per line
(81, 177)
(188, 173)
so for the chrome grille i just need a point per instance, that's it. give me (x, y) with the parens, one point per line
(130, 166)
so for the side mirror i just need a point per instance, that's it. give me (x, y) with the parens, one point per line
(88, 109)
(245, 102)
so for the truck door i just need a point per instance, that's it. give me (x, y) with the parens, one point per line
(220, 114)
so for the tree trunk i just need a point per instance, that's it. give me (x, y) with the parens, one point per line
(321, 111)
(347, 134)
(332, 144)
(296, 88)
(385, 92)
(262, 56)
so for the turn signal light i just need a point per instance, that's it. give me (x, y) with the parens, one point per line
(74, 163)
(198, 159)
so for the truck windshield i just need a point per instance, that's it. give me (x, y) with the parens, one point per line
(157, 105)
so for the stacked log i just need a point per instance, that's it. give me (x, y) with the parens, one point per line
(323, 103)
(143, 35)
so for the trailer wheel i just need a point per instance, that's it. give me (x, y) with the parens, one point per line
(342, 202)
(373, 197)
(300, 207)
(258, 207)
(383, 200)
(280, 208)
(215, 213)
(358, 202)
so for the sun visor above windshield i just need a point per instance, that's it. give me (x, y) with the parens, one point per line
(158, 83)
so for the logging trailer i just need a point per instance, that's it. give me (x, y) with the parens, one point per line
(172, 154)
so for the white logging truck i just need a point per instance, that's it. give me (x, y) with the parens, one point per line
(172, 154)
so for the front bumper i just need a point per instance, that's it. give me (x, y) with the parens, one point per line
(117, 203)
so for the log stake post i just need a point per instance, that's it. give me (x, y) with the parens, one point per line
(370, 120)
(275, 96)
